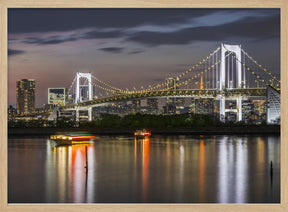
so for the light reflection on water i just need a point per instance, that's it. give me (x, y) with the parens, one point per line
(162, 169)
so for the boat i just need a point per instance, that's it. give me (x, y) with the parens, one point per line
(142, 133)
(69, 139)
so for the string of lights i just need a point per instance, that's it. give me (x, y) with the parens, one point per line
(108, 85)
(196, 76)
(69, 90)
(184, 73)
(258, 77)
(105, 89)
(260, 66)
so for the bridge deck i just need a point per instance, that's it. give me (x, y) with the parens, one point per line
(176, 93)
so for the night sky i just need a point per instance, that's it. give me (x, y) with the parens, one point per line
(130, 47)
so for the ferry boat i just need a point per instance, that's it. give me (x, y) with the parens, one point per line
(70, 139)
(142, 133)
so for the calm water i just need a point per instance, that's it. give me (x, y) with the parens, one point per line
(163, 169)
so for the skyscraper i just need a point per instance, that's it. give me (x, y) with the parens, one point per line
(25, 92)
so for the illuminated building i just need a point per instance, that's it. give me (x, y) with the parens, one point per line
(230, 116)
(12, 110)
(192, 106)
(135, 106)
(247, 110)
(259, 110)
(57, 96)
(273, 106)
(203, 106)
(169, 109)
(152, 105)
(25, 95)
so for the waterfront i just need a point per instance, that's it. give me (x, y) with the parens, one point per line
(162, 169)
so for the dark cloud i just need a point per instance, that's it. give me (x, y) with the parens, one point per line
(50, 40)
(115, 50)
(246, 28)
(57, 39)
(15, 52)
(255, 28)
(98, 34)
(47, 20)
(136, 51)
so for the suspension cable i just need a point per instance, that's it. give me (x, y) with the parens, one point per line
(71, 85)
(108, 85)
(259, 78)
(197, 75)
(184, 73)
(260, 66)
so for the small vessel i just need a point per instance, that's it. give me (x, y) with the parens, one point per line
(142, 133)
(69, 139)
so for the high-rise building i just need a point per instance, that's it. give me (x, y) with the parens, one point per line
(57, 96)
(25, 95)
(152, 105)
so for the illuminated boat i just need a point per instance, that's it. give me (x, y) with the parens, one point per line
(142, 133)
(69, 139)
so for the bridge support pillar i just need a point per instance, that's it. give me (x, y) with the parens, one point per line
(222, 108)
(90, 114)
(77, 115)
(239, 108)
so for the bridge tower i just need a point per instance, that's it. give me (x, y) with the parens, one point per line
(87, 77)
(78, 99)
(225, 79)
(237, 50)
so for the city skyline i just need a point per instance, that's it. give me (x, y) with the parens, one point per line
(118, 45)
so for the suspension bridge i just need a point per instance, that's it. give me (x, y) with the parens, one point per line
(227, 73)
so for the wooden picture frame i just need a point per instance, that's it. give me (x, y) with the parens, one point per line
(5, 4)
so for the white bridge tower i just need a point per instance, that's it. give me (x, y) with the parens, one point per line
(88, 78)
(225, 80)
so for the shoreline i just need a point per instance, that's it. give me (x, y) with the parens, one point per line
(169, 131)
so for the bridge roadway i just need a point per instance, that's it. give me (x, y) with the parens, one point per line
(249, 92)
